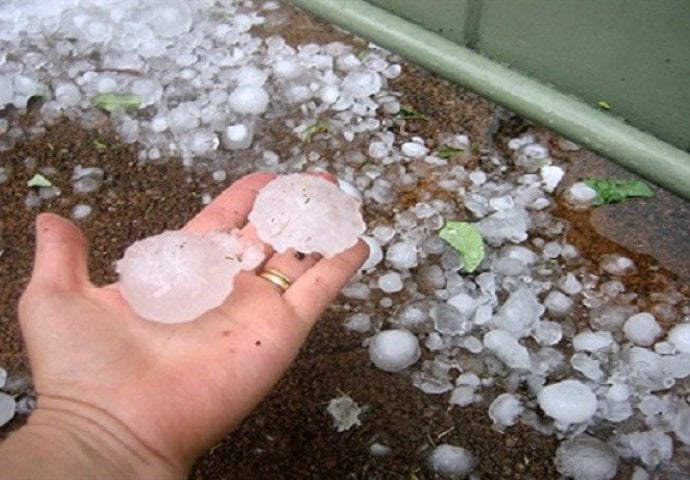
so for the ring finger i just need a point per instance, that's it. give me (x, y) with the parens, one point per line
(281, 270)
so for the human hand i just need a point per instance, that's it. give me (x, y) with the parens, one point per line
(156, 395)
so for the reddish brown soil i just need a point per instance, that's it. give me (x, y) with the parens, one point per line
(291, 436)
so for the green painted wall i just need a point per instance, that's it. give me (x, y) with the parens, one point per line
(633, 54)
(449, 18)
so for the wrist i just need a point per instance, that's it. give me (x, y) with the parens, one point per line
(76, 440)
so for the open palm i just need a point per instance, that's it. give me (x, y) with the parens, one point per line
(175, 389)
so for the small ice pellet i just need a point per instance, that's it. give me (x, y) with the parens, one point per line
(219, 175)
(463, 396)
(272, 5)
(159, 124)
(679, 336)
(249, 99)
(551, 176)
(552, 250)
(237, 137)
(508, 349)
(250, 75)
(619, 392)
(81, 211)
(359, 322)
(558, 304)
(329, 94)
(617, 265)
(375, 253)
(413, 149)
(383, 233)
(390, 282)
(642, 329)
(8, 407)
(451, 461)
(287, 68)
(378, 150)
(394, 350)
(378, 449)
(592, 341)
(350, 189)
(580, 193)
(362, 84)
(356, 291)
(505, 410)
(477, 177)
(402, 255)
(386, 302)
(32, 200)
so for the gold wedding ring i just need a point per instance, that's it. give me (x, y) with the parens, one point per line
(276, 278)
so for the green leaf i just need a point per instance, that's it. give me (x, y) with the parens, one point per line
(466, 239)
(407, 111)
(612, 190)
(99, 145)
(447, 151)
(604, 105)
(319, 127)
(112, 102)
(39, 180)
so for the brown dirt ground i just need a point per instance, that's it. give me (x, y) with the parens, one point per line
(290, 436)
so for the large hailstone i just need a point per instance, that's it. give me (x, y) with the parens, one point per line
(176, 276)
(505, 410)
(569, 401)
(394, 350)
(451, 461)
(307, 213)
(586, 458)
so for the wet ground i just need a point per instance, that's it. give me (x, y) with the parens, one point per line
(291, 436)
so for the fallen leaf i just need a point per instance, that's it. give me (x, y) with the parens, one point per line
(319, 127)
(613, 190)
(112, 102)
(604, 105)
(447, 151)
(39, 180)
(466, 239)
(407, 111)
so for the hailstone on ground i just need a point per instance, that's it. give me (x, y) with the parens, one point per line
(569, 401)
(394, 350)
(505, 410)
(345, 413)
(586, 458)
(8, 407)
(451, 461)
(679, 336)
(307, 213)
(176, 276)
(249, 100)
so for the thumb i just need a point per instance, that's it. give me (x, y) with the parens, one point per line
(61, 260)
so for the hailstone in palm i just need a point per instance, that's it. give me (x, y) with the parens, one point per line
(177, 276)
(307, 213)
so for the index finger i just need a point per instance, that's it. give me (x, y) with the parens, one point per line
(230, 208)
